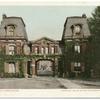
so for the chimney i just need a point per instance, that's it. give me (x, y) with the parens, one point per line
(84, 15)
(4, 16)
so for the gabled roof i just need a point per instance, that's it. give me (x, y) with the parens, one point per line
(44, 38)
(67, 32)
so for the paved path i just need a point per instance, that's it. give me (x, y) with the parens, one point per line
(79, 84)
(41, 83)
(88, 84)
(30, 83)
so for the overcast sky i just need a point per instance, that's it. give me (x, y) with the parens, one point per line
(45, 20)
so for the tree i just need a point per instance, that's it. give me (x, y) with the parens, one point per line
(94, 25)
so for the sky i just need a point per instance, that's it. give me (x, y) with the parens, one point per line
(45, 21)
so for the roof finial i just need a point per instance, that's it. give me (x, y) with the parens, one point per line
(4, 16)
(84, 15)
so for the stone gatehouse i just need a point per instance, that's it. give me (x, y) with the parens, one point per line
(20, 57)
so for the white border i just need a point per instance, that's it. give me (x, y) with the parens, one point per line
(49, 93)
(50, 2)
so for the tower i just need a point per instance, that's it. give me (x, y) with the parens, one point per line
(75, 45)
(12, 38)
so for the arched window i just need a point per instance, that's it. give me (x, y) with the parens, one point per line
(11, 50)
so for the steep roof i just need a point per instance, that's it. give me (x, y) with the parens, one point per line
(19, 31)
(67, 32)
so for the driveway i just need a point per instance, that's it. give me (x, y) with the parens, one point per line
(41, 83)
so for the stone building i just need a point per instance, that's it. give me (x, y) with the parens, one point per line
(20, 57)
(75, 45)
(12, 38)
(48, 51)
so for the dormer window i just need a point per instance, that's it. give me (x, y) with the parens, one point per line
(76, 29)
(10, 30)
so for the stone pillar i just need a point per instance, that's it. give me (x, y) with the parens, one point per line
(17, 67)
(25, 69)
(33, 68)
(6, 67)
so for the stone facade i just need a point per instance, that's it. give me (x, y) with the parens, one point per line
(49, 49)
(75, 46)
(44, 56)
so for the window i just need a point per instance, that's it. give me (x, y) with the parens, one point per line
(46, 50)
(36, 50)
(77, 66)
(42, 50)
(52, 50)
(10, 30)
(12, 68)
(77, 29)
(11, 50)
(77, 48)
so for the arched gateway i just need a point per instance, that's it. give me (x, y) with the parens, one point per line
(45, 67)
(44, 61)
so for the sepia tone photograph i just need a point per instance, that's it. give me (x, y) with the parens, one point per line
(49, 47)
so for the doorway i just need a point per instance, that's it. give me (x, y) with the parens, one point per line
(29, 67)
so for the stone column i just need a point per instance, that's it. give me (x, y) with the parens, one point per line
(17, 67)
(25, 69)
(33, 68)
(6, 67)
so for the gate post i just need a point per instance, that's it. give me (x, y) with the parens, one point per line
(25, 69)
(33, 67)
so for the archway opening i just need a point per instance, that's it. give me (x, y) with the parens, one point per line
(45, 67)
